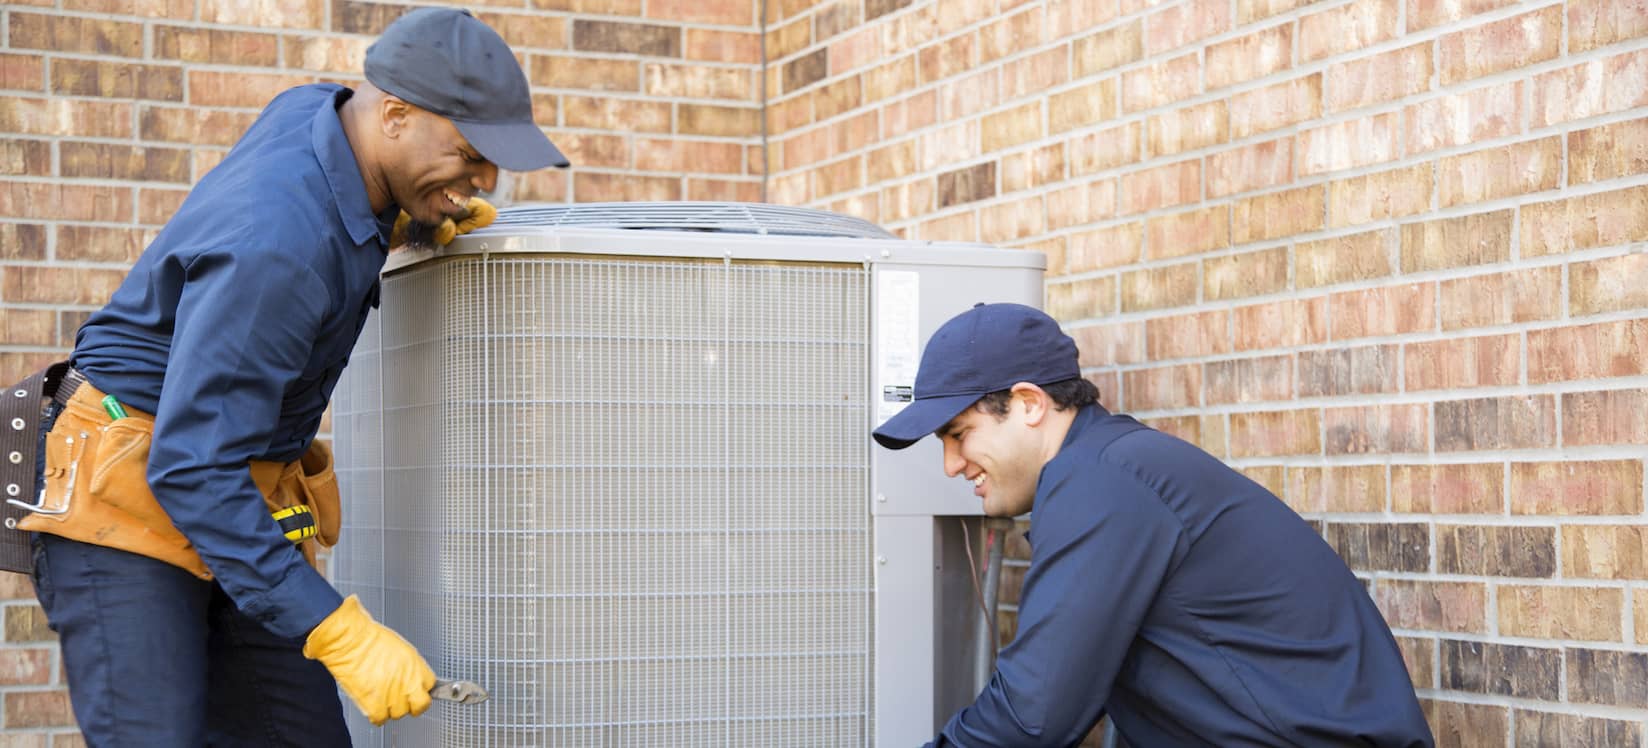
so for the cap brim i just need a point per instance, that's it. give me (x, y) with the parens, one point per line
(921, 418)
(516, 146)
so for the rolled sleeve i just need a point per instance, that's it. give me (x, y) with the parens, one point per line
(246, 323)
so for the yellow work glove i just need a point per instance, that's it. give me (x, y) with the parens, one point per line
(384, 674)
(479, 214)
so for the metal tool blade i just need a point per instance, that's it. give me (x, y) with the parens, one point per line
(458, 691)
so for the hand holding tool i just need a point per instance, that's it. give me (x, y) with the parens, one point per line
(381, 672)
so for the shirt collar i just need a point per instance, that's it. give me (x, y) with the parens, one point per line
(337, 161)
(1084, 417)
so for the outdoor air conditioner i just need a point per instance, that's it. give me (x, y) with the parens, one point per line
(613, 462)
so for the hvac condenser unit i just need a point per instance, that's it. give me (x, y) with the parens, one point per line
(613, 462)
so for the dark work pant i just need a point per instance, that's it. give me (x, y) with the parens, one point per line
(155, 656)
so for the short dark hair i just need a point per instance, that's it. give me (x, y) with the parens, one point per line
(1066, 394)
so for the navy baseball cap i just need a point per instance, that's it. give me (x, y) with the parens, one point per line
(447, 61)
(986, 349)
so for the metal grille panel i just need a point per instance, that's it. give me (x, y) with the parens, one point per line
(628, 497)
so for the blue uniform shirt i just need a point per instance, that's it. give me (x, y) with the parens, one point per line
(1189, 603)
(232, 329)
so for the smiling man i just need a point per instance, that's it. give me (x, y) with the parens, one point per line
(183, 492)
(1165, 589)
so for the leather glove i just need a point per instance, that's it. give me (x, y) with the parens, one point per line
(381, 672)
(479, 214)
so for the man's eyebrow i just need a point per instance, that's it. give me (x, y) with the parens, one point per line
(947, 429)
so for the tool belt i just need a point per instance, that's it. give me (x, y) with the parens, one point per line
(96, 487)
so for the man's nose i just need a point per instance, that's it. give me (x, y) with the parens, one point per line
(953, 462)
(487, 179)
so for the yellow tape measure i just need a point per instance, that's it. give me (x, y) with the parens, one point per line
(296, 522)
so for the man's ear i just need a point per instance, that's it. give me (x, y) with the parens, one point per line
(1036, 402)
(394, 116)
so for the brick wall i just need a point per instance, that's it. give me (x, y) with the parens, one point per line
(1385, 256)
(110, 109)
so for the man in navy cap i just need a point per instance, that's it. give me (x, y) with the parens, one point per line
(173, 551)
(1164, 589)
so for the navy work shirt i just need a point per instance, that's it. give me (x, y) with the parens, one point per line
(232, 329)
(1192, 605)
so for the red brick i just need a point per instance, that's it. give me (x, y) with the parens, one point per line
(1423, 14)
(156, 206)
(1375, 197)
(1608, 417)
(1104, 150)
(1037, 167)
(60, 285)
(1456, 242)
(972, 94)
(221, 47)
(1035, 74)
(1010, 35)
(790, 189)
(1487, 112)
(1277, 214)
(1586, 613)
(238, 89)
(296, 14)
(1159, 287)
(92, 36)
(1083, 299)
(1160, 187)
(112, 161)
(22, 241)
(1599, 23)
(1079, 107)
(1347, 28)
(1066, 17)
(38, 709)
(1608, 152)
(1598, 86)
(598, 187)
(67, 202)
(1519, 169)
(1012, 127)
(916, 198)
(1585, 222)
(1512, 422)
(524, 32)
(120, 80)
(840, 176)
(1461, 725)
(1081, 204)
(1188, 335)
(957, 227)
(1247, 57)
(1493, 47)
(1249, 380)
(1106, 50)
(645, 116)
(891, 162)
(1571, 488)
(1502, 298)
(1376, 429)
(1248, 11)
(1206, 432)
(100, 243)
(835, 98)
(28, 327)
(1281, 324)
(1272, 477)
(674, 154)
(1110, 344)
(194, 126)
(721, 12)
(25, 158)
(1457, 607)
(717, 45)
(940, 60)
(1549, 728)
(1342, 259)
(1380, 78)
(1420, 657)
(1276, 106)
(890, 79)
(1347, 145)
(1605, 551)
(1188, 233)
(951, 144)
(22, 73)
(1455, 363)
(1250, 167)
(1011, 221)
(1391, 310)
(1270, 433)
(1163, 387)
(1187, 129)
(862, 205)
(25, 667)
(1182, 24)
(697, 82)
(1248, 274)
(1348, 371)
(1161, 83)
(1607, 349)
(1464, 488)
(1608, 285)
(594, 74)
(1337, 489)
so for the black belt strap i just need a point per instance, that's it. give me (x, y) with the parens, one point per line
(21, 407)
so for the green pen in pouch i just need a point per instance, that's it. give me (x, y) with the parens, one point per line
(113, 408)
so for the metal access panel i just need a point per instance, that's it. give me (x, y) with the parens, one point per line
(623, 477)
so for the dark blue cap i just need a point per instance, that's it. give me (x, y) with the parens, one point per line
(446, 61)
(988, 348)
